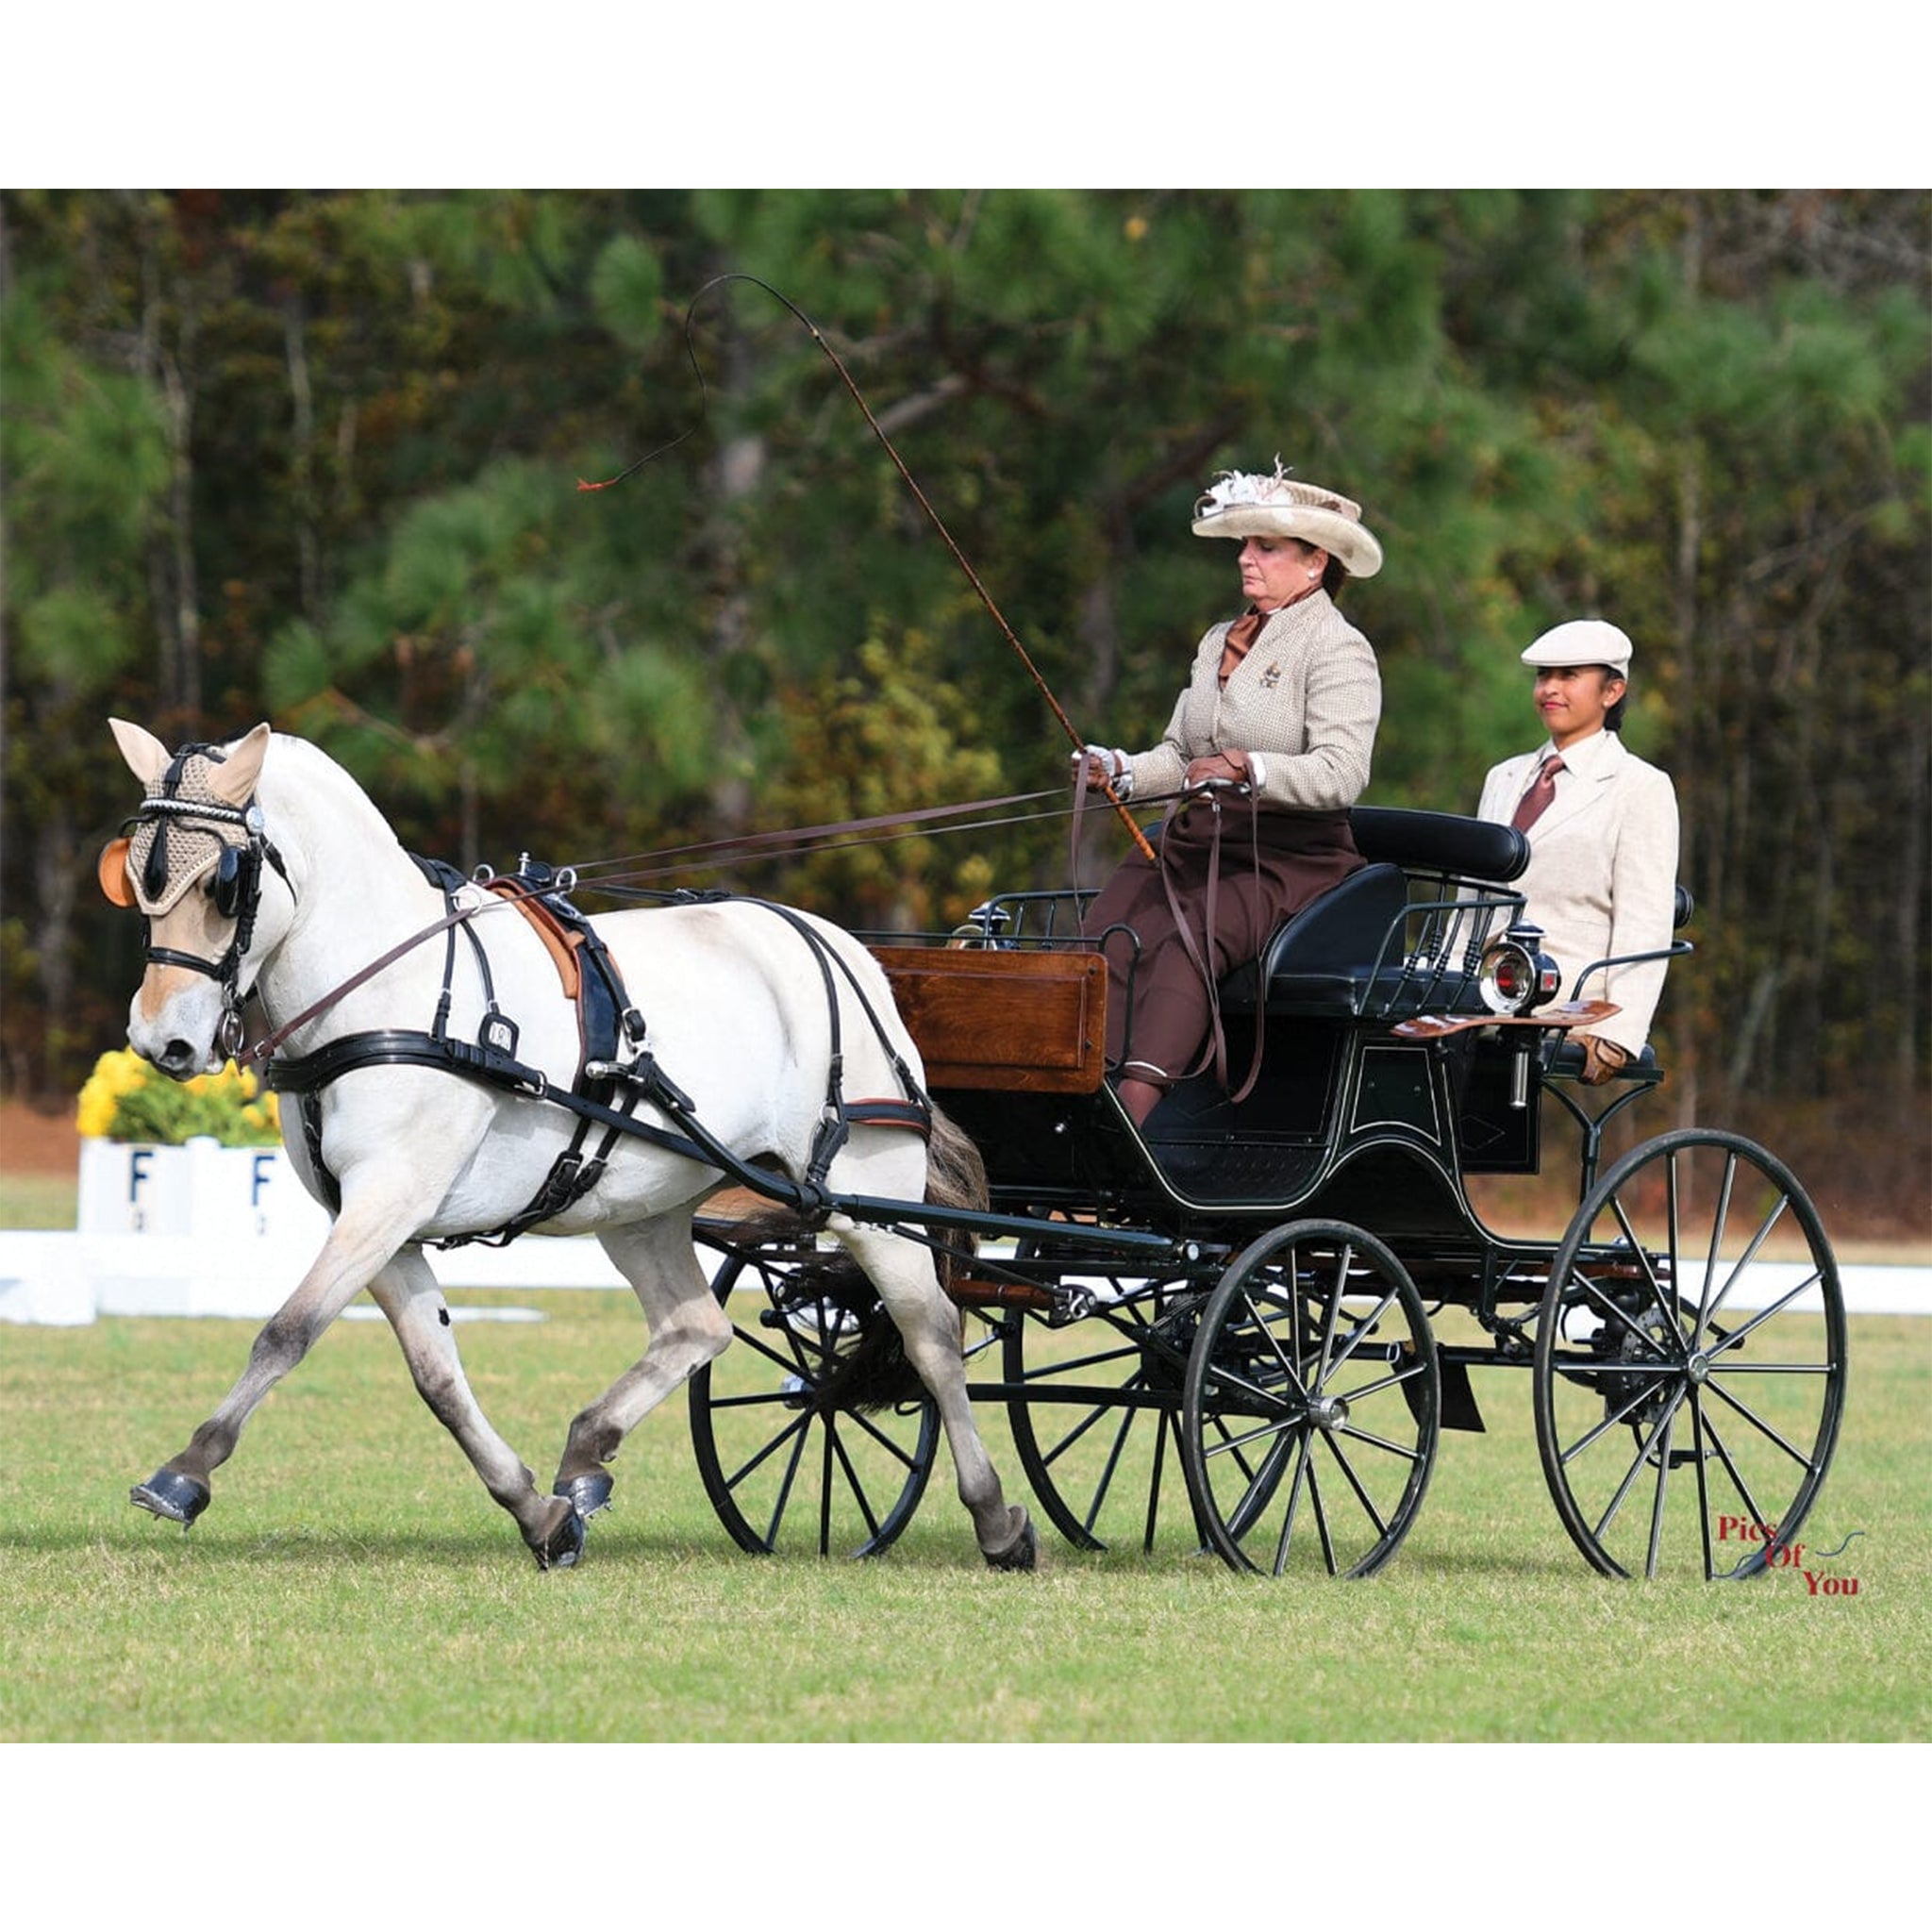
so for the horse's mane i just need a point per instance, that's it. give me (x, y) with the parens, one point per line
(306, 769)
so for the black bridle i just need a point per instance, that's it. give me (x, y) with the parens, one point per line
(235, 888)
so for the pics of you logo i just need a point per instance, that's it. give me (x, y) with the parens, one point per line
(1743, 1530)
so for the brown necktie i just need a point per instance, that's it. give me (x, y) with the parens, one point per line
(1535, 802)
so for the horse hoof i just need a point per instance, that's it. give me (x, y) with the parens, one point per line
(588, 1494)
(171, 1494)
(560, 1547)
(1023, 1553)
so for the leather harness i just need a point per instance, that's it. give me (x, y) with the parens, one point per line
(616, 1071)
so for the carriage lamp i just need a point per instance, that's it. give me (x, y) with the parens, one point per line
(1515, 973)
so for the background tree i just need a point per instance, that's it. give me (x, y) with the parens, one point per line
(313, 456)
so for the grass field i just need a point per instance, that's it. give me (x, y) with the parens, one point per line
(352, 1582)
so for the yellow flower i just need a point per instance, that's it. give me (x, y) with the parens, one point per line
(114, 1074)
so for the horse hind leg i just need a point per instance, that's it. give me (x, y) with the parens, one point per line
(686, 1329)
(408, 1293)
(902, 1271)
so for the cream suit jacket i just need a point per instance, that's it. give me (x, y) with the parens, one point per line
(1308, 697)
(1603, 870)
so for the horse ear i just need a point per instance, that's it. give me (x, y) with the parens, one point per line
(147, 756)
(233, 780)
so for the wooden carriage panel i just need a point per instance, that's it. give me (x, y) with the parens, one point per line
(1015, 1022)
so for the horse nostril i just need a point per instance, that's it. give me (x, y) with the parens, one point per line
(179, 1061)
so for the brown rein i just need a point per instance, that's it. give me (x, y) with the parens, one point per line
(508, 893)
(508, 890)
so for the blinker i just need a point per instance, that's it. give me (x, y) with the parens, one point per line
(226, 886)
(111, 871)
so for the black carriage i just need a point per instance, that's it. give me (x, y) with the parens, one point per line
(1246, 1326)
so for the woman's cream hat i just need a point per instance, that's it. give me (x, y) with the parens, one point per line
(1238, 504)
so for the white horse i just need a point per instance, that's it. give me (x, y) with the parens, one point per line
(270, 882)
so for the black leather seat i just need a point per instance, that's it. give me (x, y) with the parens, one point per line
(1440, 841)
(1326, 959)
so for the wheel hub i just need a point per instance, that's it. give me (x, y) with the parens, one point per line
(1327, 1411)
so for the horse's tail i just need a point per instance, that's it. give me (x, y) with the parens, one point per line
(955, 1178)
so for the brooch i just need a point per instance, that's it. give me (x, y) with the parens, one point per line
(1271, 678)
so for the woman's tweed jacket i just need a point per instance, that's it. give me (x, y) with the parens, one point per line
(1308, 697)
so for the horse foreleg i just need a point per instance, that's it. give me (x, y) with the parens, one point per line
(408, 1293)
(686, 1329)
(179, 1490)
(903, 1274)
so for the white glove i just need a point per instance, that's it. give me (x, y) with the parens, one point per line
(1111, 765)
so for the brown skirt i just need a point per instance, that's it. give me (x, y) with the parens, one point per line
(1254, 867)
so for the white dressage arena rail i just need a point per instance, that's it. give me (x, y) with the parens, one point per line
(64, 1277)
(228, 1232)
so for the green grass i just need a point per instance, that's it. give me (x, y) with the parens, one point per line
(36, 1200)
(352, 1581)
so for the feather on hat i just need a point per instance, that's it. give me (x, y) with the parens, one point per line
(1238, 504)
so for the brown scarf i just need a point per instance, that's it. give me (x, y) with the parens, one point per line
(1241, 634)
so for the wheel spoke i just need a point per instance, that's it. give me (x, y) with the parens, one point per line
(1285, 1360)
(828, 1441)
(1757, 1423)
(1329, 1560)
(1731, 1337)
(1373, 1441)
(1610, 1420)
(1722, 1451)
(792, 1431)
(896, 1451)
(1362, 1497)
(799, 1439)
(1663, 1473)
(1717, 1221)
(1302, 1470)
(835, 1446)
(1357, 1337)
(1650, 1281)
(1392, 1381)
(1703, 1482)
(1613, 1308)
(1745, 1260)
(1644, 1446)
(1110, 1466)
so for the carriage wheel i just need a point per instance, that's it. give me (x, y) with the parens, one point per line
(1098, 1428)
(1312, 1404)
(1689, 1361)
(812, 1431)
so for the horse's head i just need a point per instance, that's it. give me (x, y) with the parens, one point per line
(191, 861)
